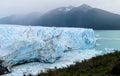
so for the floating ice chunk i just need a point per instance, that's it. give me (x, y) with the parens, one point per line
(44, 44)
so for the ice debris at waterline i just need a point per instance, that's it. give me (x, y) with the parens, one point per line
(43, 44)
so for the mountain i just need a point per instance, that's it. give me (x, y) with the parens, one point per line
(28, 19)
(82, 16)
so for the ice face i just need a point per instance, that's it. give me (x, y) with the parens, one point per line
(44, 44)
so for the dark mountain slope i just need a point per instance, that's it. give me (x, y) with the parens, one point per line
(28, 19)
(82, 16)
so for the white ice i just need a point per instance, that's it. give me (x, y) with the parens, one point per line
(69, 58)
(44, 44)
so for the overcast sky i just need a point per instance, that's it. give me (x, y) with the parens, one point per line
(8, 7)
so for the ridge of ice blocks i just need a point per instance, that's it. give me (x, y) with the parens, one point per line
(43, 44)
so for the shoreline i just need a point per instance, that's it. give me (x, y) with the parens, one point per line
(104, 65)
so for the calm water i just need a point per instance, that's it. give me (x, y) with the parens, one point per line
(108, 39)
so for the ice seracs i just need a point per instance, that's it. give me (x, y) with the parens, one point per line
(43, 44)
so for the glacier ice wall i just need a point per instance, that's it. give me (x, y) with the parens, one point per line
(44, 44)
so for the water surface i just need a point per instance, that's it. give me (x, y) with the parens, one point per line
(107, 40)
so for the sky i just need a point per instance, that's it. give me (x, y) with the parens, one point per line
(9, 7)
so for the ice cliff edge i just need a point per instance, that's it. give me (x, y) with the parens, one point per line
(44, 44)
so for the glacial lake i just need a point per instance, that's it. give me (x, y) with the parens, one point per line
(107, 40)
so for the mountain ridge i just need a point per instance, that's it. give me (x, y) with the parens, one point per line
(83, 16)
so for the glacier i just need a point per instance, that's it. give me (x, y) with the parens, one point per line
(42, 44)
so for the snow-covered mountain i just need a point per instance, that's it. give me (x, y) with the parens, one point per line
(64, 9)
